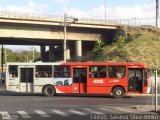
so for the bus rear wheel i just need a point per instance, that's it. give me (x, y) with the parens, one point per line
(118, 92)
(49, 91)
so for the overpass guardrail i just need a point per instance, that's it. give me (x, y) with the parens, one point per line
(54, 18)
(148, 21)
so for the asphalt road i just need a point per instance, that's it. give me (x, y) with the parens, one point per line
(67, 107)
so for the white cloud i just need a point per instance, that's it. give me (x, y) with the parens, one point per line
(137, 11)
(31, 7)
(90, 13)
(63, 1)
(146, 10)
(76, 12)
(119, 12)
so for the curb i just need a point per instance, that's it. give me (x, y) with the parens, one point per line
(138, 95)
(145, 107)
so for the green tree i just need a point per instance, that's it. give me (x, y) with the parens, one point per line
(10, 55)
(20, 56)
(120, 39)
(98, 45)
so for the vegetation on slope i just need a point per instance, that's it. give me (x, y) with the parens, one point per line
(136, 44)
(19, 56)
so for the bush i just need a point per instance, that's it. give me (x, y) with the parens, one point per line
(120, 39)
(98, 47)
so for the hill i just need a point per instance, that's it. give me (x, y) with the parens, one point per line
(140, 44)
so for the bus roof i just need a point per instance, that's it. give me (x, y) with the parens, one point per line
(107, 63)
(79, 63)
(34, 63)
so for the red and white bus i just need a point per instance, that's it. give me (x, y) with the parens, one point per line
(114, 78)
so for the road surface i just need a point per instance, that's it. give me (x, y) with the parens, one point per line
(67, 107)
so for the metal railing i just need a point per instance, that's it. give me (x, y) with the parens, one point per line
(51, 18)
(148, 21)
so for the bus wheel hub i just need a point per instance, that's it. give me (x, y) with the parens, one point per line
(118, 92)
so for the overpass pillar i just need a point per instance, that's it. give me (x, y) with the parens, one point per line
(51, 53)
(68, 53)
(78, 50)
(43, 51)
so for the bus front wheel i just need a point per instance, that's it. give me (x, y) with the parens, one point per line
(49, 91)
(118, 92)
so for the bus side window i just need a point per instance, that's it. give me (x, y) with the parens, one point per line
(13, 71)
(43, 71)
(97, 72)
(61, 71)
(116, 71)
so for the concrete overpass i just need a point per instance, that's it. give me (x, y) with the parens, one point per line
(28, 29)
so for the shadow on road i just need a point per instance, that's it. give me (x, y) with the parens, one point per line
(10, 93)
(89, 95)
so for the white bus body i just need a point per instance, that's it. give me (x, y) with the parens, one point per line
(21, 82)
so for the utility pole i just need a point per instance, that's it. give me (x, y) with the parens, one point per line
(157, 13)
(33, 54)
(156, 97)
(65, 35)
(2, 57)
(32, 50)
(6, 56)
(105, 9)
(65, 41)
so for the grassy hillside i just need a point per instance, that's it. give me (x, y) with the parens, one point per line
(142, 44)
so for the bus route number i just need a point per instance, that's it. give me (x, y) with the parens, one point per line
(98, 81)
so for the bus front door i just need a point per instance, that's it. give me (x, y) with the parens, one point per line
(135, 80)
(79, 80)
(26, 80)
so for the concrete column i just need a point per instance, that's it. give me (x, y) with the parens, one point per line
(78, 50)
(51, 53)
(43, 51)
(68, 55)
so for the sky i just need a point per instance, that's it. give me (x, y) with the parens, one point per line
(114, 9)
(82, 8)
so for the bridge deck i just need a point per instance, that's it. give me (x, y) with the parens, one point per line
(56, 20)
